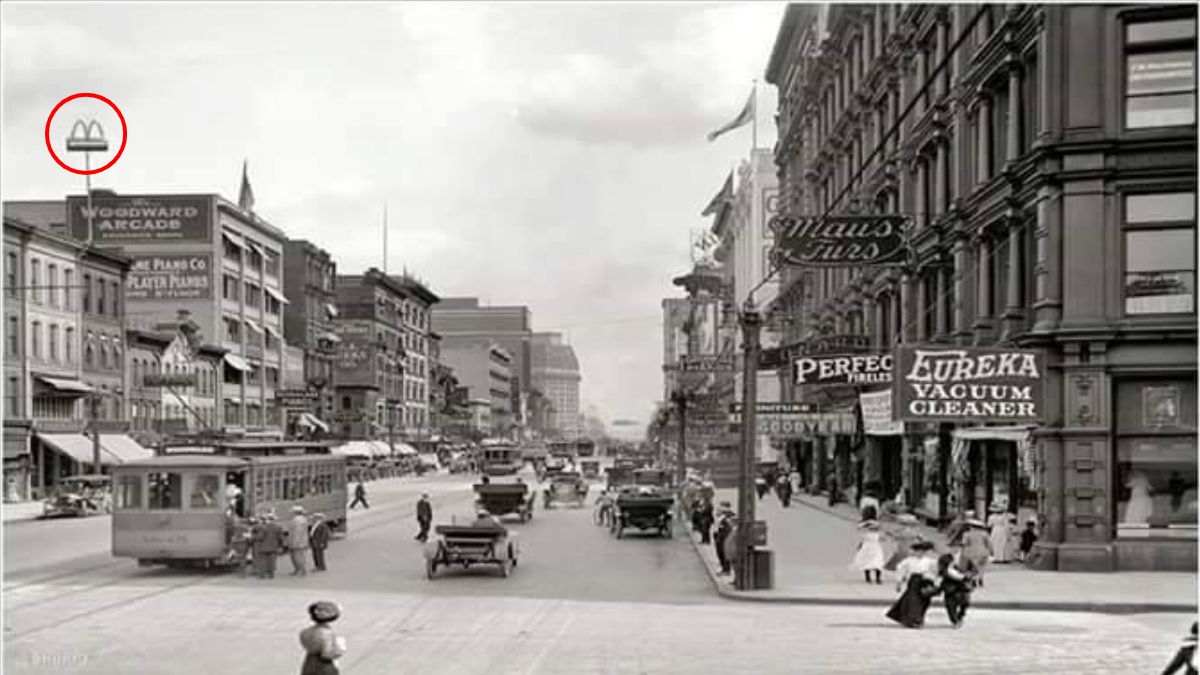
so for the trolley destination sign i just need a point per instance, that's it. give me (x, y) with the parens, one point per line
(968, 384)
(840, 240)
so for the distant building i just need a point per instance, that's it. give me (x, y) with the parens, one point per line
(310, 278)
(484, 368)
(554, 370)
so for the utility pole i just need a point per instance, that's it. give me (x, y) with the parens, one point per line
(751, 322)
(94, 400)
(680, 399)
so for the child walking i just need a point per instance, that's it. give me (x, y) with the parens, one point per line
(869, 556)
(956, 588)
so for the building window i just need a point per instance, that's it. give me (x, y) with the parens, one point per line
(233, 331)
(1160, 72)
(1160, 253)
(68, 288)
(253, 295)
(36, 339)
(232, 251)
(52, 284)
(87, 294)
(116, 299)
(10, 274)
(999, 135)
(100, 296)
(35, 279)
(53, 351)
(12, 397)
(230, 287)
(89, 354)
(14, 340)
(345, 403)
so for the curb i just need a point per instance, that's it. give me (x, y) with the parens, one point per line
(723, 589)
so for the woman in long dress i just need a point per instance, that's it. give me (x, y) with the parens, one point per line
(869, 556)
(322, 647)
(998, 528)
(918, 579)
(1141, 504)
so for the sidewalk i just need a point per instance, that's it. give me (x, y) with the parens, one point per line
(20, 511)
(814, 544)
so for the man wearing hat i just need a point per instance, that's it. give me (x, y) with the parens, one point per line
(724, 529)
(485, 519)
(268, 543)
(318, 540)
(297, 541)
(322, 647)
(976, 548)
(424, 516)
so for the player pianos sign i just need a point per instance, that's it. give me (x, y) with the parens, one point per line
(968, 384)
(840, 240)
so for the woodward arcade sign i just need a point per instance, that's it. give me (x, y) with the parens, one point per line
(128, 219)
(842, 240)
(968, 384)
(844, 369)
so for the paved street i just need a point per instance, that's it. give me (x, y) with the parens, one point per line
(580, 602)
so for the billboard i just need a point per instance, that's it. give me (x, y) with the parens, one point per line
(170, 277)
(354, 360)
(141, 219)
(968, 384)
(844, 369)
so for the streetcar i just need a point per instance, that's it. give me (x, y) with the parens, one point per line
(179, 508)
(500, 458)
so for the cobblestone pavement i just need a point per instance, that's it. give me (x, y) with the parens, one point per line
(580, 602)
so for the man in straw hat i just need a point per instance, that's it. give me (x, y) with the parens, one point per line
(322, 647)
(297, 537)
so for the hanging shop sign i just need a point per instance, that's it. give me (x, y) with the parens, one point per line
(876, 410)
(844, 369)
(834, 344)
(703, 364)
(775, 408)
(840, 240)
(968, 384)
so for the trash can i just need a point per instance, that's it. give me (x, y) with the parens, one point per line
(764, 568)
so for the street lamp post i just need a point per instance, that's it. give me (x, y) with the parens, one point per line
(680, 399)
(94, 400)
(751, 322)
(87, 144)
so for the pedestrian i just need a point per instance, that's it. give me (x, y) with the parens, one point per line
(917, 583)
(268, 543)
(322, 647)
(318, 540)
(783, 488)
(360, 495)
(1185, 658)
(868, 505)
(724, 529)
(1028, 538)
(998, 529)
(958, 527)
(297, 541)
(243, 533)
(868, 557)
(761, 487)
(706, 520)
(956, 586)
(976, 548)
(424, 516)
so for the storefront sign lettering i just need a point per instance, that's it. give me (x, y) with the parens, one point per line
(132, 219)
(968, 384)
(170, 277)
(840, 240)
(844, 369)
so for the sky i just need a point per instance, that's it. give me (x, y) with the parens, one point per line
(547, 155)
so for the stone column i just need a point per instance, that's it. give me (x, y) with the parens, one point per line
(908, 305)
(877, 46)
(920, 205)
(1048, 267)
(964, 290)
(943, 42)
(983, 298)
(922, 66)
(1013, 144)
(958, 158)
(941, 316)
(1014, 306)
(983, 148)
(894, 313)
(941, 167)
(922, 309)
(877, 324)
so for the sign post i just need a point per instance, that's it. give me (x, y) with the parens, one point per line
(751, 322)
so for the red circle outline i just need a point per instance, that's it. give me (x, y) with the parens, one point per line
(124, 133)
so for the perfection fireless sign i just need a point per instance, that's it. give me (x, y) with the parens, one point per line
(968, 384)
(137, 219)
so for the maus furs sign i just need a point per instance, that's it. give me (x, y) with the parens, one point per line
(968, 384)
(840, 240)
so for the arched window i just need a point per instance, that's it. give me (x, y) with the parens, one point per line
(89, 355)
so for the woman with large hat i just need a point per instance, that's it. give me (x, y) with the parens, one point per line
(321, 646)
(918, 580)
(999, 531)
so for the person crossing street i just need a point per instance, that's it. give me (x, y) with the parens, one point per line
(360, 496)
(424, 516)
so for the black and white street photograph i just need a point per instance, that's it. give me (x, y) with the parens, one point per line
(639, 337)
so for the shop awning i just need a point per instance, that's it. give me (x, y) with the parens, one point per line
(406, 450)
(237, 362)
(382, 449)
(65, 386)
(1015, 434)
(78, 447)
(331, 310)
(273, 331)
(123, 447)
(253, 325)
(277, 295)
(359, 449)
(312, 421)
(235, 239)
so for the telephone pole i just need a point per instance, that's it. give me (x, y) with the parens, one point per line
(751, 322)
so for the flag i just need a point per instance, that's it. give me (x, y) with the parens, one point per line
(745, 117)
(246, 194)
(721, 198)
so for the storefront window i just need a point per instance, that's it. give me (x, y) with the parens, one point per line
(1160, 73)
(1160, 253)
(1156, 459)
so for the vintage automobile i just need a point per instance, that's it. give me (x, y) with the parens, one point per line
(643, 507)
(467, 545)
(81, 495)
(590, 468)
(618, 475)
(503, 499)
(567, 487)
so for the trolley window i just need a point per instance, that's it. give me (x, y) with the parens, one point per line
(165, 490)
(204, 491)
(128, 495)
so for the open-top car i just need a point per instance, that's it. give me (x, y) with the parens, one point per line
(82, 495)
(467, 545)
(567, 487)
(643, 507)
(502, 499)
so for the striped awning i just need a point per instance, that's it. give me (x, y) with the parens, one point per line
(235, 239)
(274, 332)
(66, 386)
(78, 447)
(124, 447)
(254, 325)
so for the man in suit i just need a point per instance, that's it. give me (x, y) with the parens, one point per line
(269, 542)
(318, 540)
(424, 517)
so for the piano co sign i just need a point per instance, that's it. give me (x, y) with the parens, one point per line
(841, 240)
